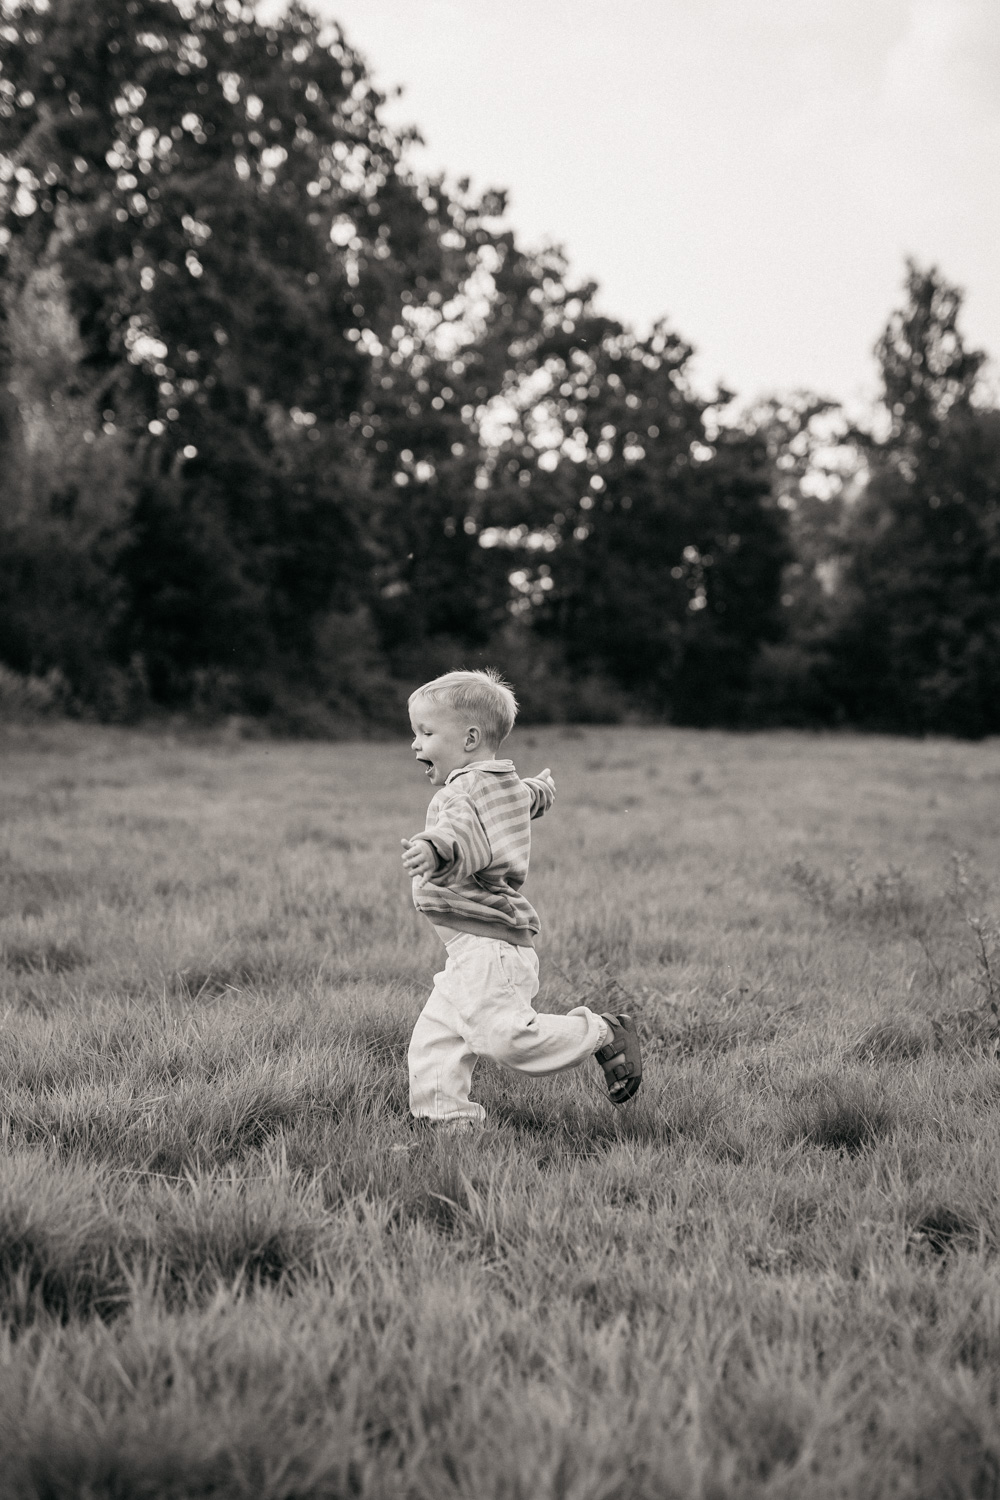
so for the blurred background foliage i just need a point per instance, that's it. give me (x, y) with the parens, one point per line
(285, 427)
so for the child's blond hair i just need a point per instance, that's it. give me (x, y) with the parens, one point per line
(483, 695)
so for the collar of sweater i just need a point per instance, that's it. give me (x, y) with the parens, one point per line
(498, 767)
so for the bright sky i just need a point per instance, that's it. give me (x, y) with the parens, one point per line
(754, 170)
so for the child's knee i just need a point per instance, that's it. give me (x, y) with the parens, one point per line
(509, 1042)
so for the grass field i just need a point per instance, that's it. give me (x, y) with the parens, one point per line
(229, 1265)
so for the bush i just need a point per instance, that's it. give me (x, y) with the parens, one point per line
(24, 698)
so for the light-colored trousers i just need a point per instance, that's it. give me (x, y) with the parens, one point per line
(480, 1006)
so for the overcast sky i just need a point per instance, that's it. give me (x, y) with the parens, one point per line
(754, 170)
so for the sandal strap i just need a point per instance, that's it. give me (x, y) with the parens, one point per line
(624, 1076)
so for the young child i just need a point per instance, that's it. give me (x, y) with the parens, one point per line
(468, 867)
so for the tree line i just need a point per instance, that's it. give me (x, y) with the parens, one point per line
(285, 426)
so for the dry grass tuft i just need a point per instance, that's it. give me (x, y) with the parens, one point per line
(43, 958)
(975, 1028)
(838, 1114)
(940, 1227)
(894, 1039)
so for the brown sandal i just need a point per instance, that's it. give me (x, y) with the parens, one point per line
(621, 1059)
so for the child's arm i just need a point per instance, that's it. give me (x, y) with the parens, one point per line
(457, 845)
(543, 791)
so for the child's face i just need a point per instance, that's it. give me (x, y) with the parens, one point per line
(441, 740)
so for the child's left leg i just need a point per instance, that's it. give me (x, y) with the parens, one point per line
(441, 1062)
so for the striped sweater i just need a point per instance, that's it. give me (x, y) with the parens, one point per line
(478, 825)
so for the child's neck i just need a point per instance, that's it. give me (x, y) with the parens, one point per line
(477, 759)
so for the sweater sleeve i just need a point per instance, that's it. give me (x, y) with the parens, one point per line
(541, 795)
(460, 842)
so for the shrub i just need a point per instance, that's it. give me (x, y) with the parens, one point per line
(24, 697)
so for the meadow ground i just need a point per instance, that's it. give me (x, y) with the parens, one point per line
(229, 1265)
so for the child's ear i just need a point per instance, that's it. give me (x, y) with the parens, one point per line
(473, 735)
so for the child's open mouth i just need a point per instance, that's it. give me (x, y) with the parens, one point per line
(428, 765)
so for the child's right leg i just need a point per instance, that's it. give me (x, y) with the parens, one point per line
(480, 1006)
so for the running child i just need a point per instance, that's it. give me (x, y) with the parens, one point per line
(467, 868)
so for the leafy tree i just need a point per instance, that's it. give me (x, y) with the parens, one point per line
(645, 543)
(64, 504)
(238, 232)
(917, 644)
(357, 424)
(815, 467)
(436, 377)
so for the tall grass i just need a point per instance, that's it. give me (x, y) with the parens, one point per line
(230, 1265)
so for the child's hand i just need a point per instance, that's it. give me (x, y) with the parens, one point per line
(419, 859)
(546, 778)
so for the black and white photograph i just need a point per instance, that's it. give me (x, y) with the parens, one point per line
(499, 750)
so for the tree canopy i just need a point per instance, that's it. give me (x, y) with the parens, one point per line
(287, 424)
(917, 639)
